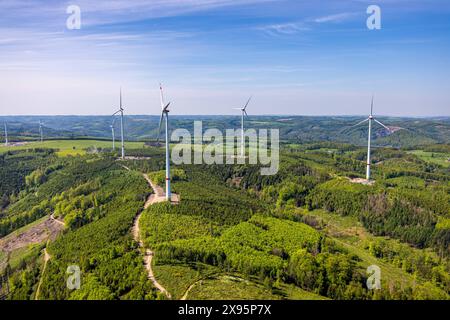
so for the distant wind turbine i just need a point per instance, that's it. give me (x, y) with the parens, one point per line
(113, 135)
(41, 130)
(243, 113)
(165, 112)
(121, 124)
(6, 135)
(370, 119)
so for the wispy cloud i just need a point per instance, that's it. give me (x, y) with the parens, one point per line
(307, 24)
(285, 28)
(101, 12)
(338, 17)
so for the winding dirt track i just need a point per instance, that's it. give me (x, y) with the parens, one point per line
(157, 196)
(47, 256)
(186, 293)
(46, 259)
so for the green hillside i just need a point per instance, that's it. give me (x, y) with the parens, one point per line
(308, 232)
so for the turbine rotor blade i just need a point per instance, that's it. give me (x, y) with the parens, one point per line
(348, 128)
(387, 128)
(359, 123)
(371, 107)
(161, 96)
(246, 105)
(160, 125)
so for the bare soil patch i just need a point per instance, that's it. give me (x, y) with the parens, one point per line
(39, 233)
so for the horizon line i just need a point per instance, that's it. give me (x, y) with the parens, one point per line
(226, 115)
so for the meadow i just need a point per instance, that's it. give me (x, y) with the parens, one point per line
(439, 158)
(67, 148)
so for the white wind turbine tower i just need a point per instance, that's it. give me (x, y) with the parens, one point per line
(370, 119)
(113, 135)
(6, 135)
(165, 112)
(243, 113)
(41, 131)
(121, 124)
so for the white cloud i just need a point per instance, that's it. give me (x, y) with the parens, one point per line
(285, 28)
(292, 28)
(339, 17)
(100, 12)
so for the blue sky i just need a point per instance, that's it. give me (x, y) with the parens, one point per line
(303, 57)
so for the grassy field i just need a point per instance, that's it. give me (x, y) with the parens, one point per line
(210, 283)
(72, 147)
(292, 292)
(23, 254)
(178, 277)
(230, 288)
(433, 157)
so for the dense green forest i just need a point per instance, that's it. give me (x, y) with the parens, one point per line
(104, 249)
(283, 241)
(308, 232)
(98, 200)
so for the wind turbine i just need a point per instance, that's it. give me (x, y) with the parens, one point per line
(370, 119)
(6, 135)
(165, 112)
(113, 135)
(244, 113)
(41, 131)
(121, 124)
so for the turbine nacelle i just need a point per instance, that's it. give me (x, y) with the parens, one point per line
(244, 108)
(121, 110)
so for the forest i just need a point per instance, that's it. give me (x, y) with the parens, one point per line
(310, 231)
(97, 238)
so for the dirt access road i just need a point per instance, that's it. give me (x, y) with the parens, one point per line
(157, 196)
(46, 259)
